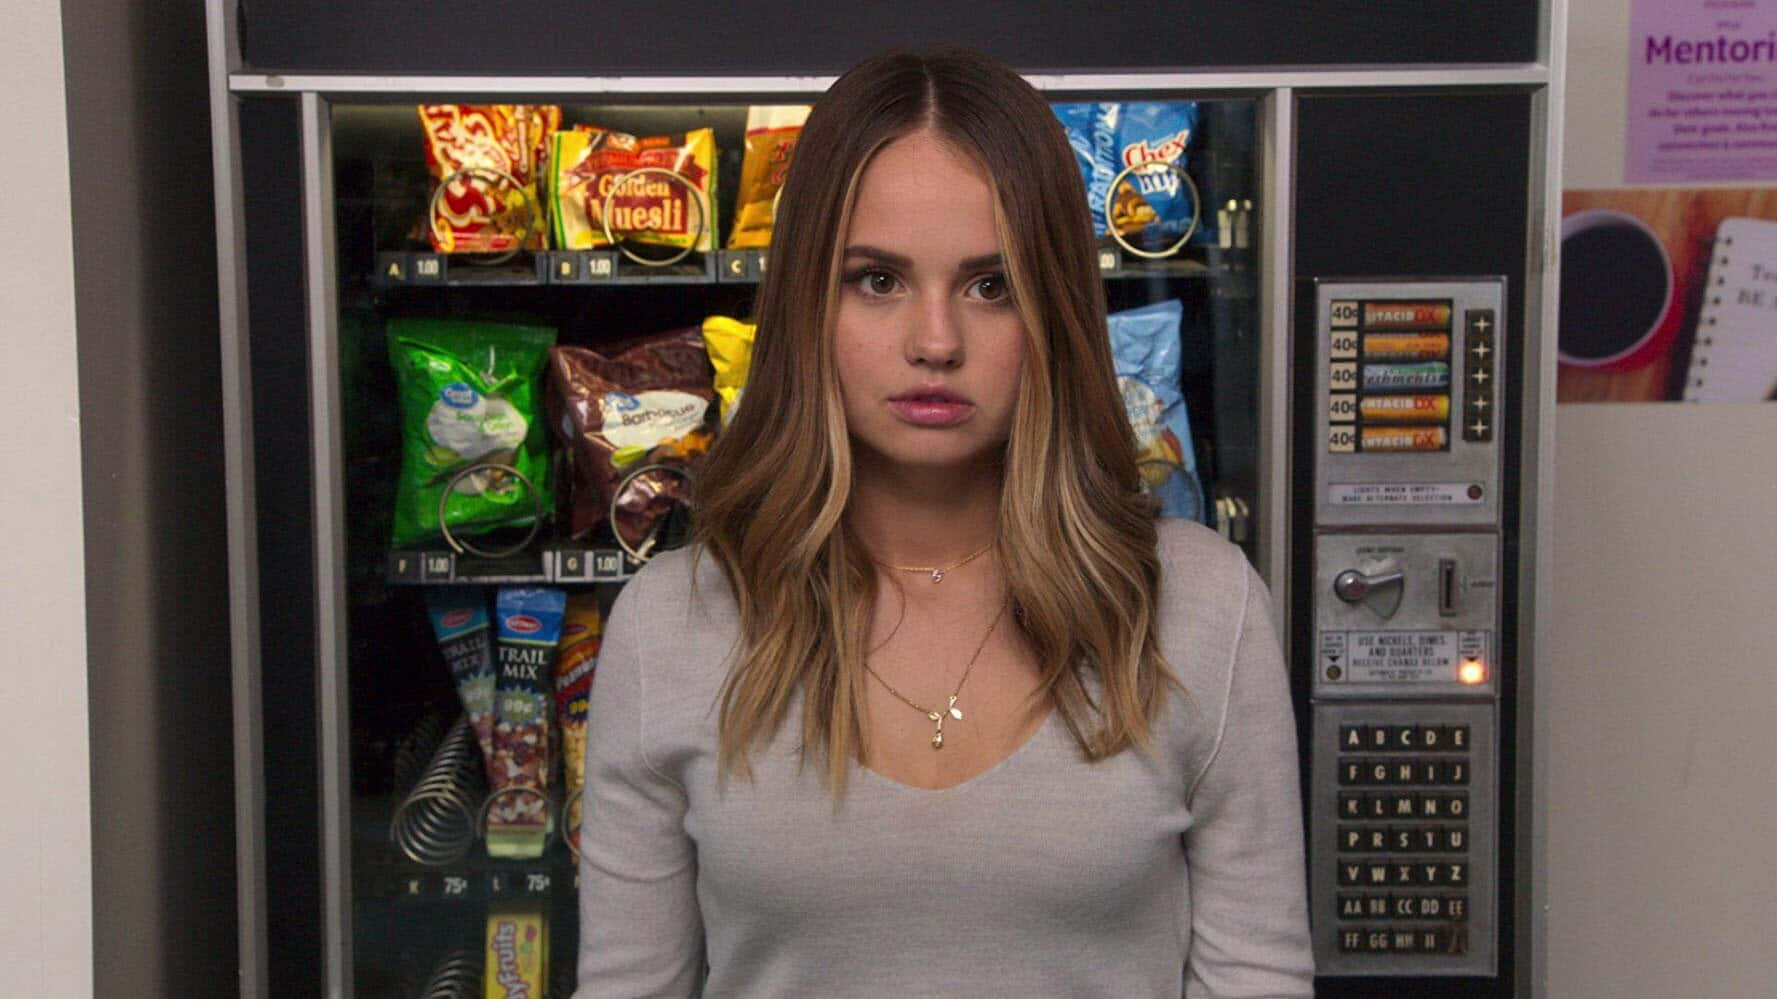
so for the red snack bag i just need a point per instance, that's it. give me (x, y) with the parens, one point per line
(488, 159)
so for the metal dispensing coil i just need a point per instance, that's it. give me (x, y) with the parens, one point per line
(435, 822)
(533, 214)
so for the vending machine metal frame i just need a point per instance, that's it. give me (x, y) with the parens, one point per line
(1277, 91)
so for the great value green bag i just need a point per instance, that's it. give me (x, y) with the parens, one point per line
(470, 394)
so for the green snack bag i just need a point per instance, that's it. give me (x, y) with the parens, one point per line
(470, 393)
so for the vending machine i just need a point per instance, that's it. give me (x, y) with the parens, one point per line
(435, 222)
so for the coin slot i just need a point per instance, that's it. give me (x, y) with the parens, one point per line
(1447, 587)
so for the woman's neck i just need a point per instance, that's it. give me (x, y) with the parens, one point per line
(924, 518)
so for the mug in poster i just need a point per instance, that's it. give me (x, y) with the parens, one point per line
(1633, 267)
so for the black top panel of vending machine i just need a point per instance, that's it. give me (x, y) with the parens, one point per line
(776, 38)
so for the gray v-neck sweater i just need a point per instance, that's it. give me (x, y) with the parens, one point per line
(1179, 874)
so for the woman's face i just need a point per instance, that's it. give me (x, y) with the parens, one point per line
(928, 342)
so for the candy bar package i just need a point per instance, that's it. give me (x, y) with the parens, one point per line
(669, 204)
(647, 407)
(469, 396)
(517, 951)
(1145, 345)
(730, 346)
(772, 131)
(489, 159)
(529, 627)
(576, 659)
(459, 620)
(1154, 207)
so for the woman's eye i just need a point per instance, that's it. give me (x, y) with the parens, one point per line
(991, 288)
(874, 283)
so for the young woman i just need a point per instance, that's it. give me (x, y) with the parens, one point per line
(936, 706)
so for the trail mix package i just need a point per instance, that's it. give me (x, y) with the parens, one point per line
(648, 405)
(1152, 208)
(529, 626)
(587, 164)
(1145, 346)
(469, 395)
(490, 159)
(459, 620)
(772, 131)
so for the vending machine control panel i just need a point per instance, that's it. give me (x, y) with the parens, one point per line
(1404, 800)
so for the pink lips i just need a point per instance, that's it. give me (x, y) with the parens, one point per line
(931, 407)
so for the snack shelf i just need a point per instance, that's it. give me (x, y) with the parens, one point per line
(404, 269)
(468, 883)
(442, 566)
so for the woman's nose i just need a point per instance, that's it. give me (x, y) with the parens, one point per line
(935, 338)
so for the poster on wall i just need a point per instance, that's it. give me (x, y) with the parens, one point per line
(1668, 294)
(1702, 91)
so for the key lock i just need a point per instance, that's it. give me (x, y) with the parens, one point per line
(1379, 590)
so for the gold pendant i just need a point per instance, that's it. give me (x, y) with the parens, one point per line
(955, 712)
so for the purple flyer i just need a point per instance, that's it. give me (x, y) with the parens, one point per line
(1702, 91)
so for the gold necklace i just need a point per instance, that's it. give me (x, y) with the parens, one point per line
(936, 571)
(952, 710)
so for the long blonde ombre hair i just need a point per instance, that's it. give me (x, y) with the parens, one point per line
(1077, 536)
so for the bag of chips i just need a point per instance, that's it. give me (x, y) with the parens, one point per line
(1155, 206)
(1092, 132)
(649, 405)
(1145, 347)
(669, 205)
(730, 346)
(772, 131)
(469, 395)
(489, 159)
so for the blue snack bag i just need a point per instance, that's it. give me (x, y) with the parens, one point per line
(1145, 347)
(1154, 208)
(1092, 132)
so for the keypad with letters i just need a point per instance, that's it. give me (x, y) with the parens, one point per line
(1403, 837)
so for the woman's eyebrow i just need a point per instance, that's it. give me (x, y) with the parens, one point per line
(986, 261)
(892, 259)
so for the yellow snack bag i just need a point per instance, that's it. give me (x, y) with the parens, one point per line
(772, 131)
(730, 345)
(576, 659)
(669, 203)
(517, 951)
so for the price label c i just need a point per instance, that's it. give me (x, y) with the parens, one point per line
(1343, 313)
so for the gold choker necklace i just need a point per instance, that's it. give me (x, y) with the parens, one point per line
(936, 571)
(951, 710)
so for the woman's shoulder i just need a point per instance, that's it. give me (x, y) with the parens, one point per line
(1208, 592)
(677, 597)
(1199, 559)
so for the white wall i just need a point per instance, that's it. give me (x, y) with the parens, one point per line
(1662, 825)
(1660, 830)
(45, 835)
